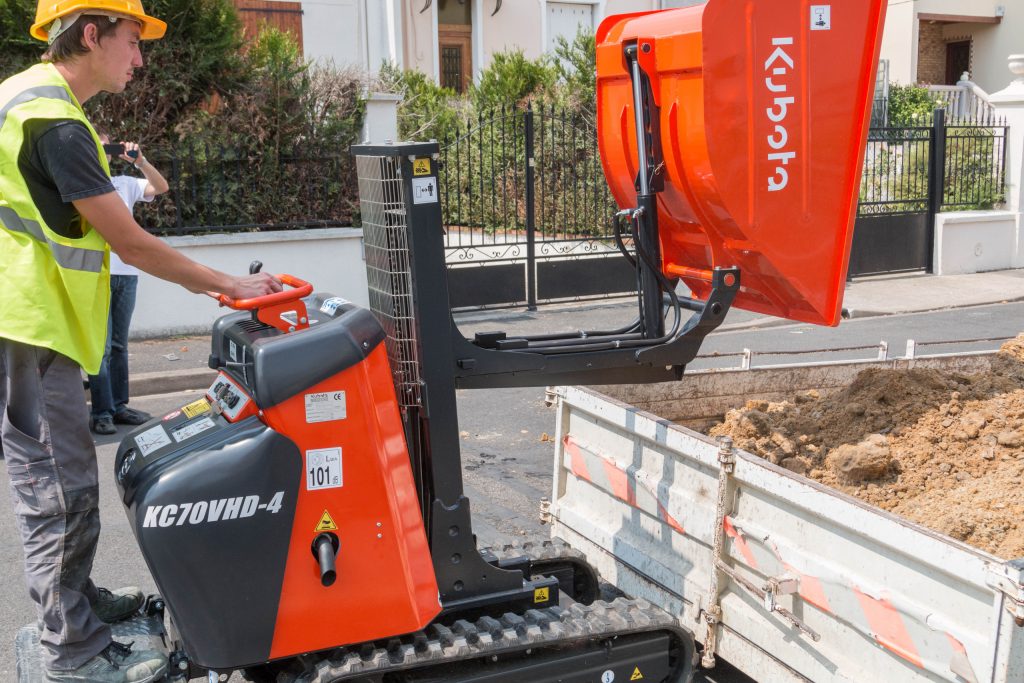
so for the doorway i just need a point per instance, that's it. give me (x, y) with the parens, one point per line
(958, 60)
(455, 43)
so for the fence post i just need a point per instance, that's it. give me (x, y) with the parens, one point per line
(177, 196)
(936, 179)
(531, 256)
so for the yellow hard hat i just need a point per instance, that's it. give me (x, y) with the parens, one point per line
(48, 11)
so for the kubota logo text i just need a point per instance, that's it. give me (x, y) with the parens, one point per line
(218, 510)
(778, 66)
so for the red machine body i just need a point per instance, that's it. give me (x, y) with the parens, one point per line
(282, 507)
(384, 561)
(762, 110)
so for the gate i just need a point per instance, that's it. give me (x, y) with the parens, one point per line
(527, 212)
(913, 172)
(895, 215)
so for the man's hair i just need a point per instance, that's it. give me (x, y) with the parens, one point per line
(69, 44)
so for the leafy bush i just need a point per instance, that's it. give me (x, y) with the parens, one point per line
(196, 62)
(911, 105)
(276, 151)
(510, 79)
(427, 111)
(19, 49)
(577, 70)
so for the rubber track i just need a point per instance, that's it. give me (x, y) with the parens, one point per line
(488, 636)
(555, 549)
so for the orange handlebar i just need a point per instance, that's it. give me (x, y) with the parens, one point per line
(300, 288)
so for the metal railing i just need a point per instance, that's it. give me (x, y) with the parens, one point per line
(229, 190)
(515, 175)
(899, 175)
(516, 172)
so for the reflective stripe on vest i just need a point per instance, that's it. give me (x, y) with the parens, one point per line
(74, 258)
(53, 92)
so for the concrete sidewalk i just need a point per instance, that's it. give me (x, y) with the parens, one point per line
(180, 363)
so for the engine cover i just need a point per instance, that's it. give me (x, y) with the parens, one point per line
(299, 436)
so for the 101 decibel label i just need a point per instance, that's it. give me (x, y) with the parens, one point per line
(323, 468)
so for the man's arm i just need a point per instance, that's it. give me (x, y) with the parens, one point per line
(136, 247)
(155, 181)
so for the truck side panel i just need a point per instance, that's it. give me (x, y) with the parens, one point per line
(812, 584)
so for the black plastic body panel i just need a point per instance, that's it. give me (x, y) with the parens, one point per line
(213, 516)
(275, 366)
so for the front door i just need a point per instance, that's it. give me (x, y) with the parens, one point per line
(455, 43)
(958, 60)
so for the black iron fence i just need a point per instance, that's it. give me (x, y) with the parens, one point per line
(231, 190)
(912, 173)
(900, 177)
(513, 172)
(525, 196)
(493, 196)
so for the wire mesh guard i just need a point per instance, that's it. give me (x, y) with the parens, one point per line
(388, 271)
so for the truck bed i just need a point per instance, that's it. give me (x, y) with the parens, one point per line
(783, 577)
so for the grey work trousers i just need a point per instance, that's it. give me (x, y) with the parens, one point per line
(51, 463)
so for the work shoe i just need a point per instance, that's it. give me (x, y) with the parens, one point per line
(116, 605)
(102, 425)
(130, 416)
(117, 663)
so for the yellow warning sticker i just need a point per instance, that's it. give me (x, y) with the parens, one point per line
(636, 674)
(326, 523)
(421, 166)
(196, 408)
(541, 595)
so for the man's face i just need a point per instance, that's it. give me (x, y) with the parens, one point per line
(116, 56)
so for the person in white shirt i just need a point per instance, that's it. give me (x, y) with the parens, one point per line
(109, 388)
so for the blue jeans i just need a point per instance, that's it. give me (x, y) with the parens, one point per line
(109, 388)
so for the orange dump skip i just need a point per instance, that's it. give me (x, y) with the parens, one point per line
(762, 110)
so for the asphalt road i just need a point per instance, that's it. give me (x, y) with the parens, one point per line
(505, 445)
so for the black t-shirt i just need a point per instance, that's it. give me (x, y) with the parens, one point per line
(59, 164)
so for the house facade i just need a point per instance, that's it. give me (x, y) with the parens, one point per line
(452, 40)
(933, 42)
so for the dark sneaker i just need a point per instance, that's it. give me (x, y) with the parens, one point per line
(116, 605)
(117, 663)
(130, 416)
(103, 425)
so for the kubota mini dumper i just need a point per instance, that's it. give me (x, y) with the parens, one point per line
(305, 520)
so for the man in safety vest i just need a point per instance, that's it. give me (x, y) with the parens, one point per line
(58, 214)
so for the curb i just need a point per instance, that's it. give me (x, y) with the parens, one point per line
(193, 379)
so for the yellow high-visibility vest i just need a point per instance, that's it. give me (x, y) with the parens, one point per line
(54, 290)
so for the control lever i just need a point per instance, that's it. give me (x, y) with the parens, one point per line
(325, 549)
(254, 268)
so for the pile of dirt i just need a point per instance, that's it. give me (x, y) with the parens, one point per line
(943, 449)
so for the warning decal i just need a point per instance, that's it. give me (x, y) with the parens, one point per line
(421, 166)
(541, 594)
(192, 428)
(196, 408)
(636, 674)
(326, 523)
(152, 439)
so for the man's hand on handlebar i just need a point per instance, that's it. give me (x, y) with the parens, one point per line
(251, 286)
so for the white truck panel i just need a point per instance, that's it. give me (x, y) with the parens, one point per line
(812, 584)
